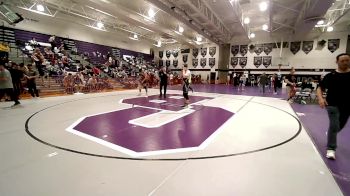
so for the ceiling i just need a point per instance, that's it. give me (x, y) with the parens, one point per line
(216, 21)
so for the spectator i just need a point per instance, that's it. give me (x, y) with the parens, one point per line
(6, 86)
(31, 75)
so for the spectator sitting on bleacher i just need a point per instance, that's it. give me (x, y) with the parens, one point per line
(33, 42)
(96, 70)
(92, 82)
(68, 83)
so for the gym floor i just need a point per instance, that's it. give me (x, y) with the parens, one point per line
(118, 143)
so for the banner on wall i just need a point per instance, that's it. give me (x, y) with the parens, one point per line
(333, 44)
(295, 47)
(160, 63)
(194, 63)
(243, 49)
(167, 53)
(257, 61)
(195, 52)
(243, 61)
(212, 51)
(258, 49)
(175, 53)
(185, 58)
(161, 54)
(234, 50)
(267, 60)
(167, 63)
(268, 48)
(211, 62)
(234, 61)
(204, 52)
(175, 63)
(203, 62)
(307, 46)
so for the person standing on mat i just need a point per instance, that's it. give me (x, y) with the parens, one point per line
(186, 75)
(6, 86)
(143, 81)
(336, 85)
(163, 78)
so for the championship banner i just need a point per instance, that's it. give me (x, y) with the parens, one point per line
(333, 44)
(203, 62)
(204, 52)
(160, 63)
(194, 63)
(267, 60)
(234, 50)
(243, 49)
(307, 46)
(212, 51)
(195, 52)
(185, 58)
(234, 61)
(243, 61)
(258, 49)
(167, 63)
(175, 63)
(161, 54)
(211, 62)
(268, 48)
(175, 53)
(295, 47)
(257, 61)
(167, 53)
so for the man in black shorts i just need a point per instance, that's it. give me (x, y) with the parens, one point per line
(337, 102)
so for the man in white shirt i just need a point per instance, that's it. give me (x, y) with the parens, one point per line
(186, 76)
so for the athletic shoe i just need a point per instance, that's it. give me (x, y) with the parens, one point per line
(16, 104)
(330, 154)
(275, 93)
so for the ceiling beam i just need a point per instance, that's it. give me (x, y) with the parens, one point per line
(174, 14)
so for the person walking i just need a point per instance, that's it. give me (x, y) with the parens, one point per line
(336, 85)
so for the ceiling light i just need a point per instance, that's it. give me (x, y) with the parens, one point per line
(99, 25)
(135, 36)
(151, 13)
(181, 29)
(199, 39)
(330, 28)
(265, 27)
(252, 35)
(246, 20)
(320, 22)
(263, 6)
(40, 8)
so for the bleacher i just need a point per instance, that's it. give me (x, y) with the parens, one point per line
(80, 51)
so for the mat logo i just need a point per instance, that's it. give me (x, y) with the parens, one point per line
(153, 126)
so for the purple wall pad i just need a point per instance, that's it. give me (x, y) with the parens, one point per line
(171, 104)
(316, 123)
(181, 133)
